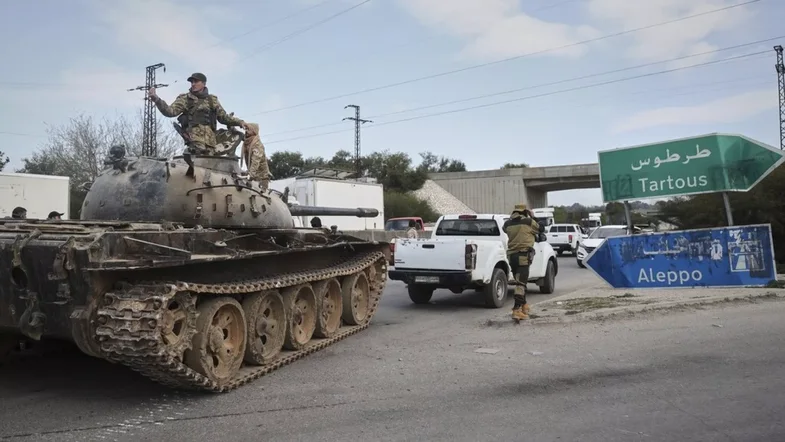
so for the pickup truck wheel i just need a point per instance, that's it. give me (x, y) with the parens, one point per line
(496, 292)
(549, 282)
(420, 294)
(580, 263)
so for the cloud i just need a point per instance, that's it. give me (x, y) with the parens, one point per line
(673, 40)
(90, 83)
(175, 29)
(726, 110)
(101, 83)
(498, 28)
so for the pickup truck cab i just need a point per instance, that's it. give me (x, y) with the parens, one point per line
(564, 237)
(467, 251)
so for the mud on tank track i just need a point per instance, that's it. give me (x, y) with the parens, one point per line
(134, 324)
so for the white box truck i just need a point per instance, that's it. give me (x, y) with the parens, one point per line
(327, 192)
(39, 194)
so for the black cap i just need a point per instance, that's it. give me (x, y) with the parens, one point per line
(198, 76)
(53, 214)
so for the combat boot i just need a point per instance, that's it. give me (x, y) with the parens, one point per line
(518, 314)
(526, 309)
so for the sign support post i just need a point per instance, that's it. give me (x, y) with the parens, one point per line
(728, 212)
(628, 216)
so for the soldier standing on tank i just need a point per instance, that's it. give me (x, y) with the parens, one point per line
(198, 111)
(521, 230)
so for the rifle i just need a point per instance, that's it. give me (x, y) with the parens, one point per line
(187, 153)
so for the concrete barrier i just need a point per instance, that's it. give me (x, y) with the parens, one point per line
(382, 235)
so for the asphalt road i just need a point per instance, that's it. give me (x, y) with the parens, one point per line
(416, 375)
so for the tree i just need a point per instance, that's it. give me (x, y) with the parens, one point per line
(3, 160)
(397, 204)
(761, 205)
(78, 148)
(394, 171)
(431, 163)
(514, 166)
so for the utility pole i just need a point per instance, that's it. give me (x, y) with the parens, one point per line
(150, 123)
(357, 121)
(781, 81)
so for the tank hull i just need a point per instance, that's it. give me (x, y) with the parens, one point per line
(110, 288)
(184, 271)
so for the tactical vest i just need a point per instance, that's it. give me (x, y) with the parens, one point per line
(196, 115)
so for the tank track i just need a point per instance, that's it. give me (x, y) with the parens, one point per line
(129, 323)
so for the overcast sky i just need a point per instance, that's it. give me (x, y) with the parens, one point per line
(282, 63)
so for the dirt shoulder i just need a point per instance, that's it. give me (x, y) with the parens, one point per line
(599, 302)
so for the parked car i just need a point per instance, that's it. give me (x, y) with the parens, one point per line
(592, 241)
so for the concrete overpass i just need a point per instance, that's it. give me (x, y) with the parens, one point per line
(497, 190)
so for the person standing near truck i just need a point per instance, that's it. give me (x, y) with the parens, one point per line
(411, 232)
(521, 230)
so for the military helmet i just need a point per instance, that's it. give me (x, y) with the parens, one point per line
(519, 208)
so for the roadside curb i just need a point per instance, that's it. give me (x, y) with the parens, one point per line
(632, 310)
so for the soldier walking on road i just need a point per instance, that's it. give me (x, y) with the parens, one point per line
(521, 230)
(198, 111)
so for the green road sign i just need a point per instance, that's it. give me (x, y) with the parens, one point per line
(688, 166)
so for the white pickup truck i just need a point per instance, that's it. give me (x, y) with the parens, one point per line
(564, 237)
(467, 251)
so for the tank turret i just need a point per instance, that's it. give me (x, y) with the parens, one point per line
(192, 190)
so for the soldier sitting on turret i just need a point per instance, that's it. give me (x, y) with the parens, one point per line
(198, 111)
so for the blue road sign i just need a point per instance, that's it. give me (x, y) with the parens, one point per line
(719, 257)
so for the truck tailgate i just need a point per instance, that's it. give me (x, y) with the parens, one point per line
(430, 255)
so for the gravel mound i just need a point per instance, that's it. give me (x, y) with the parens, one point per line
(442, 201)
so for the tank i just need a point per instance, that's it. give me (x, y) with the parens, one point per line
(188, 273)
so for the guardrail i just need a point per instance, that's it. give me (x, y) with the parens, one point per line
(383, 235)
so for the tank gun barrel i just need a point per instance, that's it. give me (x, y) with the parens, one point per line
(360, 212)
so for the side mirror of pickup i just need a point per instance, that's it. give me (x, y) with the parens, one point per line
(584, 236)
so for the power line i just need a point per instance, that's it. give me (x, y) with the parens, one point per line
(150, 123)
(303, 30)
(529, 97)
(693, 89)
(780, 68)
(553, 83)
(419, 40)
(274, 22)
(254, 52)
(357, 123)
(477, 66)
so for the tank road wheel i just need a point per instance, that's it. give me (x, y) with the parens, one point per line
(266, 327)
(219, 343)
(356, 298)
(329, 308)
(300, 305)
(377, 274)
(178, 325)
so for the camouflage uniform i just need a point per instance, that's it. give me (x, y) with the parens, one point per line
(254, 156)
(198, 112)
(521, 232)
